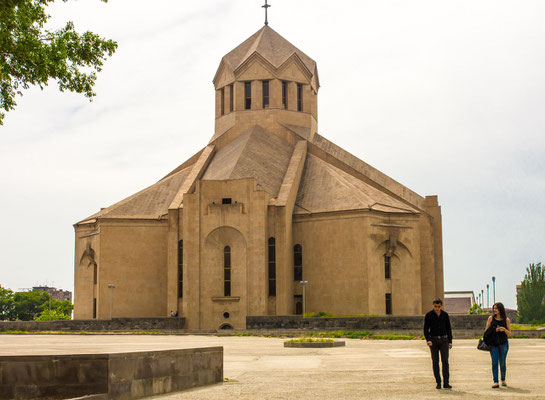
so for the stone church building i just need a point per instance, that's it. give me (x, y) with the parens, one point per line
(267, 203)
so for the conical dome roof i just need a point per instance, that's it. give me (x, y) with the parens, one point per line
(271, 46)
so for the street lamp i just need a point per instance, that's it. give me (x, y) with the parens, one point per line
(494, 289)
(482, 298)
(303, 284)
(111, 287)
(487, 296)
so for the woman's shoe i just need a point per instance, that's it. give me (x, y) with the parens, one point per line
(503, 383)
(495, 386)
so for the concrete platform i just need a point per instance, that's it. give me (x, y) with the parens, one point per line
(261, 368)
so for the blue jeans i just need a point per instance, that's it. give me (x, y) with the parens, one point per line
(499, 354)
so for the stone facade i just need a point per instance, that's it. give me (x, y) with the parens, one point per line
(267, 203)
(117, 376)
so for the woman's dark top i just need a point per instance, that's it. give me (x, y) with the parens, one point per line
(501, 337)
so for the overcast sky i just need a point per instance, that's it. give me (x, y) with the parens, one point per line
(446, 97)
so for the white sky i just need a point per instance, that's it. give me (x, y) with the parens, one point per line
(446, 97)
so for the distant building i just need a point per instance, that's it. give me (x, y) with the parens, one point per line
(57, 294)
(459, 302)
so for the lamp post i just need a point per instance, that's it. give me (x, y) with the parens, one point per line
(494, 289)
(482, 298)
(487, 296)
(111, 287)
(303, 284)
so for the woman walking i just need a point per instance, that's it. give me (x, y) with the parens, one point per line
(500, 346)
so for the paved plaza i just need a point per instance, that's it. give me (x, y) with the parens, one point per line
(261, 368)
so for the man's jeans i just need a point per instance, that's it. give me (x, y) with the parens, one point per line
(499, 354)
(440, 345)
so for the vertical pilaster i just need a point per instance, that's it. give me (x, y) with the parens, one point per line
(172, 262)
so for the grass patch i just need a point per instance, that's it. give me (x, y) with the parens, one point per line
(243, 334)
(311, 340)
(341, 334)
(229, 380)
(363, 335)
(526, 327)
(323, 314)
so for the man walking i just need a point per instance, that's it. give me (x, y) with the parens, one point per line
(439, 338)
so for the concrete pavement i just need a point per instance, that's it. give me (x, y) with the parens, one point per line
(261, 368)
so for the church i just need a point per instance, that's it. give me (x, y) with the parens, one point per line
(269, 218)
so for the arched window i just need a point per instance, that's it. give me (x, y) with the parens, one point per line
(180, 269)
(272, 267)
(227, 271)
(387, 261)
(297, 262)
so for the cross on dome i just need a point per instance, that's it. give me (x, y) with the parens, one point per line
(266, 6)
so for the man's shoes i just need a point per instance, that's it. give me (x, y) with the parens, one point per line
(503, 383)
(495, 386)
(447, 386)
(438, 386)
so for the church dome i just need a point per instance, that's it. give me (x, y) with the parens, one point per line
(273, 48)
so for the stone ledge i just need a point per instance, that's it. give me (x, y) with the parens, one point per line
(109, 376)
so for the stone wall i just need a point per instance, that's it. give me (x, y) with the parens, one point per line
(390, 323)
(116, 376)
(96, 325)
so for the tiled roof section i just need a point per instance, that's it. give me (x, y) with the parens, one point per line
(325, 188)
(457, 305)
(151, 202)
(254, 154)
(270, 45)
(367, 170)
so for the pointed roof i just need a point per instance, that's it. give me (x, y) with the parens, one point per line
(271, 46)
(325, 188)
(254, 154)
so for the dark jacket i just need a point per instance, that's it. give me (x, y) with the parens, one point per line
(489, 336)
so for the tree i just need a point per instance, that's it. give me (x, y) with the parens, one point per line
(7, 305)
(59, 310)
(28, 305)
(531, 297)
(31, 55)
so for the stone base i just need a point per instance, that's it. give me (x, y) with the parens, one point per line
(111, 376)
(314, 345)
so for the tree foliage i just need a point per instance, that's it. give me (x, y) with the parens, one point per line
(33, 305)
(7, 306)
(31, 54)
(531, 297)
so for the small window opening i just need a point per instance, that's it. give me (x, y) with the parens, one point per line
(298, 305)
(388, 304)
(226, 315)
(227, 271)
(226, 200)
(284, 94)
(297, 262)
(222, 102)
(94, 308)
(247, 95)
(231, 105)
(387, 267)
(265, 94)
(226, 327)
(299, 97)
(272, 267)
(180, 269)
